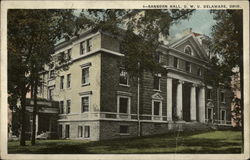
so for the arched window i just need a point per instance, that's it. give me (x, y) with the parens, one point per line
(188, 50)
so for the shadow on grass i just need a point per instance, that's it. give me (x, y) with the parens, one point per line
(167, 143)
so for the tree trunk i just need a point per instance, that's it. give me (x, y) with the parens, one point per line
(33, 139)
(23, 117)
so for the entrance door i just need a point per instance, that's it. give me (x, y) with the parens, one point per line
(186, 102)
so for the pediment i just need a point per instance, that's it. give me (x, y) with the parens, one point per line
(210, 105)
(157, 96)
(192, 42)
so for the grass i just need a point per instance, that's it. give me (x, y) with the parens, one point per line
(208, 142)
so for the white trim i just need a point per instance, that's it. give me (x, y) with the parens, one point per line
(81, 109)
(85, 130)
(192, 52)
(209, 87)
(128, 106)
(160, 109)
(67, 106)
(112, 52)
(80, 137)
(86, 83)
(190, 58)
(95, 51)
(181, 41)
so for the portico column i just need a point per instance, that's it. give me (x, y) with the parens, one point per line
(36, 124)
(193, 103)
(202, 104)
(169, 98)
(179, 100)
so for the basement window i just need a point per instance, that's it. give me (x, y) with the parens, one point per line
(124, 129)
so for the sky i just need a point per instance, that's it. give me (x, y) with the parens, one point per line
(200, 21)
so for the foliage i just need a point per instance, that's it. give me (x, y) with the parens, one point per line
(236, 112)
(227, 47)
(139, 32)
(31, 38)
(227, 43)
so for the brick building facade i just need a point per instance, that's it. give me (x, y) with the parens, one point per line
(98, 99)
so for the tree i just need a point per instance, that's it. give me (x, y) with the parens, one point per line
(31, 38)
(140, 34)
(227, 47)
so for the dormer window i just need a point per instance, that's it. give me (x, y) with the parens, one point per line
(157, 57)
(188, 50)
(69, 53)
(85, 46)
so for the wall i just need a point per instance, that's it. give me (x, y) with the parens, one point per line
(94, 129)
(110, 71)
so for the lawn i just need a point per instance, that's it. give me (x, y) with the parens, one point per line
(208, 142)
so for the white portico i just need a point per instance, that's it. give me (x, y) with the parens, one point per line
(185, 98)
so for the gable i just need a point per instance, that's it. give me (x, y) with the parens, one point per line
(157, 96)
(190, 42)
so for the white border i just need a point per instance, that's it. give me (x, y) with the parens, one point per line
(118, 4)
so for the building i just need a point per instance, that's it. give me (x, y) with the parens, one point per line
(98, 99)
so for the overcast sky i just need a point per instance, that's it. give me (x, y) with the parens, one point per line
(201, 21)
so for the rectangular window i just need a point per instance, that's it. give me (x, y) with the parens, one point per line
(60, 131)
(188, 67)
(223, 115)
(209, 94)
(89, 45)
(209, 114)
(67, 131)
(156, 108)
(85, 104)
(157, 82)
(51, 74)
(61, 82)
(69, 53)
(85, 75)
(82, 48)
(80, 128)
(199, 71)
(68, 80)
(68, 106)
(157, 57)
(123, 77)
(222, 96)
(61, 104)
(86, 131)
(176, 62)
(124, 129)
(51, 93)
(123, 104)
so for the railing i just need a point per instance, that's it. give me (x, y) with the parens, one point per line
(219, 122)
(110, 115)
